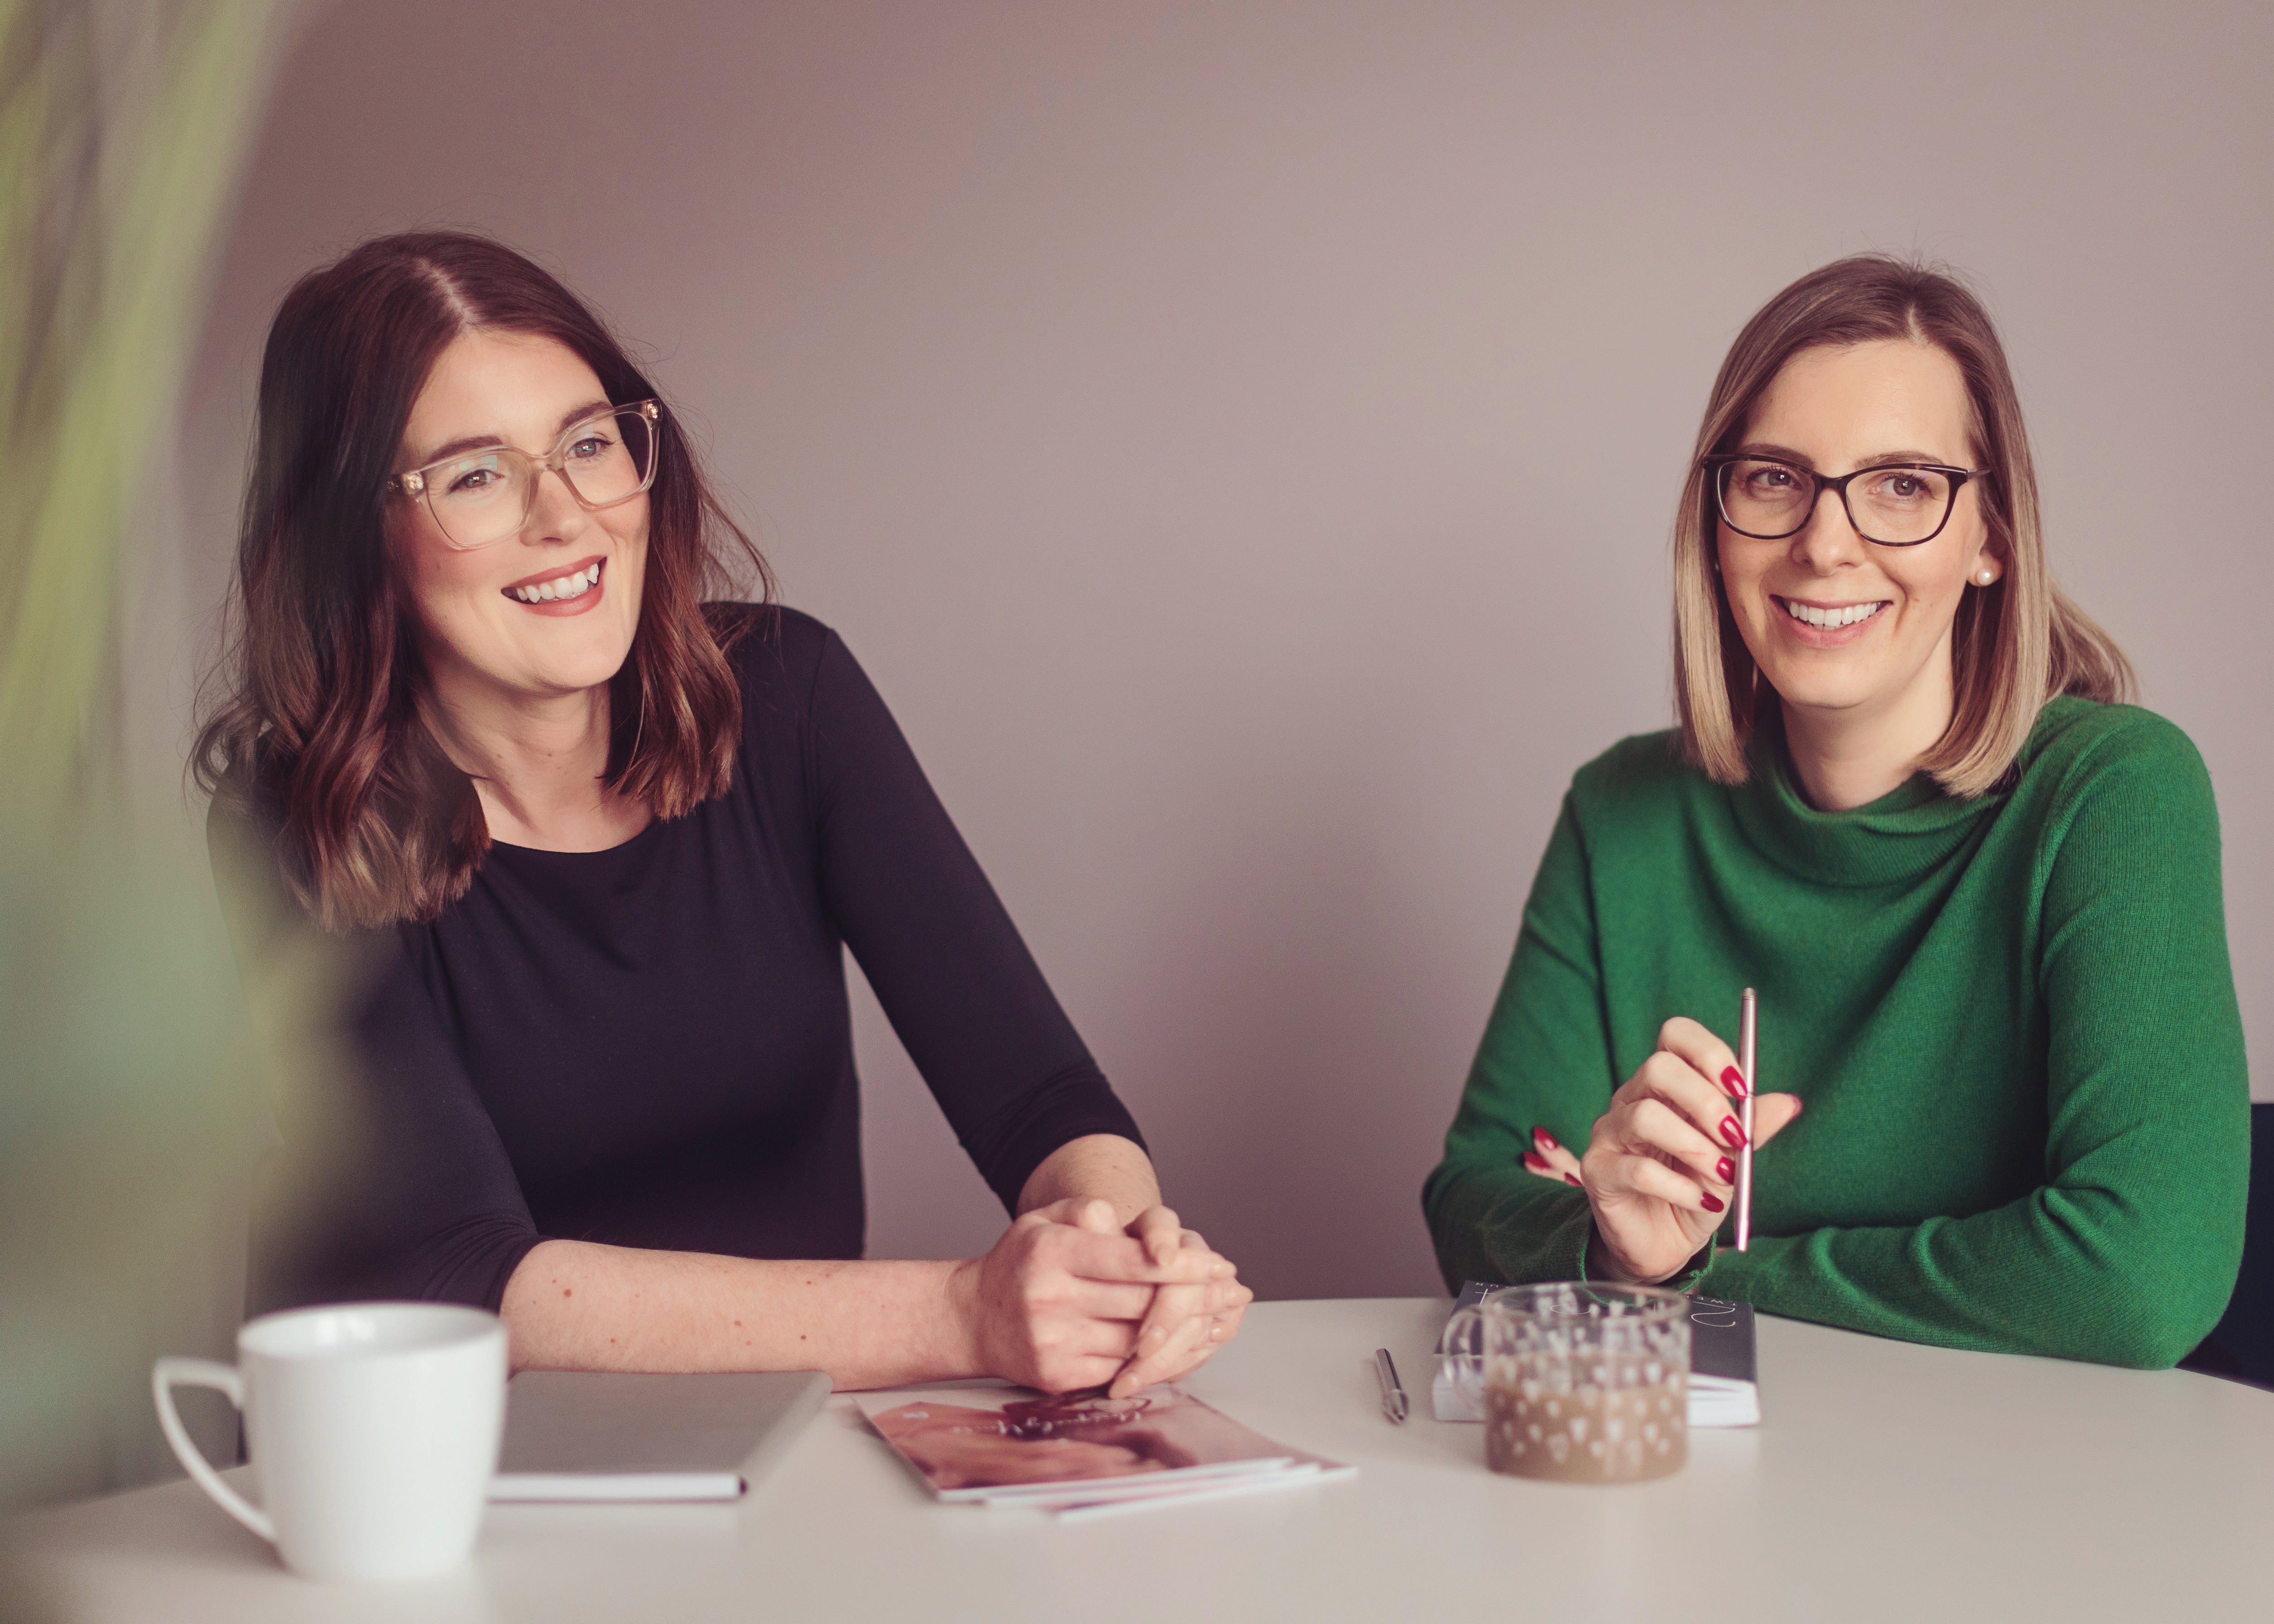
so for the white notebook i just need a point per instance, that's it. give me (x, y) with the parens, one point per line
(1078, 1456)
(603, 1435)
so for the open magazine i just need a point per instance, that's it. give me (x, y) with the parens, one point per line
(1724, 1382)
(1081, 1454)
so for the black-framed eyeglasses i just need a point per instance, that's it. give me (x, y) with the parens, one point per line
(1899, 505)
(486, 494)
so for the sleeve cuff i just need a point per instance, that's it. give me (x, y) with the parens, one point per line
(1684, 1279)
(1537, 1235)
(1061, 1111)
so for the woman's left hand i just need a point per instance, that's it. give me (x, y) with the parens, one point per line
(1656, 1179)
(1186, 1324)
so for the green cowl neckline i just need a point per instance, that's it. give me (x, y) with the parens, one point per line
(1902, 835)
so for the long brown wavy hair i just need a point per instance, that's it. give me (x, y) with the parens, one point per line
(313, 727)
(2014, 646)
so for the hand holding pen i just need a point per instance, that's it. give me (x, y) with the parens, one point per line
(1660, 1168)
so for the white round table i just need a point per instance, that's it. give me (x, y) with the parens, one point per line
(1885, 1481)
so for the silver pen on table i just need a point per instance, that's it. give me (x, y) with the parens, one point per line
(1393, 1394)
(1748, 1033)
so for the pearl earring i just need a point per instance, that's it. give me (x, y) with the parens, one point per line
(1987, 576)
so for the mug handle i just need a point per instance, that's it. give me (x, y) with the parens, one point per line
(171, 1372)
(1464, 1369)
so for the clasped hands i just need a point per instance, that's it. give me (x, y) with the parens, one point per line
(1661, 1169)
(1073, 1297)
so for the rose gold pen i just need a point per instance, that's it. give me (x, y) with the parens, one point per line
(1747, 1020)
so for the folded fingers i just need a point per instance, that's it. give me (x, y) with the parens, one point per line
(1110, 1299)
(1221, 1329)
(1652, 1129)
(1164, 1360)
(1183, 1323)
(1548, 1158)
(1612, 1172)
(1120, 1257)
(1678, 1085)
(1159, 1231)
(1184, 1347)
(1696, 1046)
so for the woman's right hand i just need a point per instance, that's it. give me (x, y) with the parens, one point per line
(1057, 1303)
(1661, 1167)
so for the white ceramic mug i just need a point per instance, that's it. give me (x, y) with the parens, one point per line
(373, 1428)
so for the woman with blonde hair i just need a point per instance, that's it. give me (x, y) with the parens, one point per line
(1977, 892)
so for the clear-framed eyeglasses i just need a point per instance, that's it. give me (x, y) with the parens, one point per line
(485, 494)
(1895, 505)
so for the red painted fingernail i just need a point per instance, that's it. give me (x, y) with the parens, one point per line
(1711, 1203)
(1732, 1132)
(1573, 1178)
(1734, 1080)
(1542, 1137)
(1534, 1162)
(1727, 1168)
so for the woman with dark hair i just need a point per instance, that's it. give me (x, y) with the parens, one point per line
(1978, 895)
(597, 846)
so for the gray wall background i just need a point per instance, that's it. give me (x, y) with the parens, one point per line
(1240, 439)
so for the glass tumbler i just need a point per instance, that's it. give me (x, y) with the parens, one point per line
(1578, 1383)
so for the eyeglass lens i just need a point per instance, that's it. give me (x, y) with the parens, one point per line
(486, 494)
(1898, 506)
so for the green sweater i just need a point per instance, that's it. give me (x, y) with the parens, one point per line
(2011, 1020)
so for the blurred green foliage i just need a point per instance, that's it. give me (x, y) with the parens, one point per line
(128, 1098)
(128, 1105)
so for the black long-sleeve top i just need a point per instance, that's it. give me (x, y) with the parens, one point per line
(650, 1046)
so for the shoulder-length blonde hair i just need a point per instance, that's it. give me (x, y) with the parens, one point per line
(2014, 645)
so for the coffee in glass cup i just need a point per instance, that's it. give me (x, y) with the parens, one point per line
(1579, 1383)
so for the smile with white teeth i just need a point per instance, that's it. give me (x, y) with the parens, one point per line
(560, 587)
(1831, 619)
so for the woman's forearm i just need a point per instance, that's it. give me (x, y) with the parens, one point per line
(2074, 1273)
(580, 1305)
(1096, 1164)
